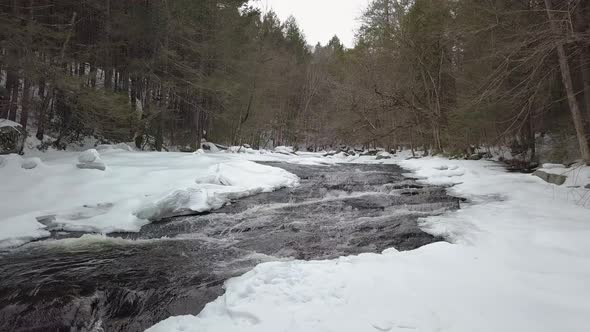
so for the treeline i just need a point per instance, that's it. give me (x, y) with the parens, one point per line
(440, 75)
(159, 72)
(455, 75)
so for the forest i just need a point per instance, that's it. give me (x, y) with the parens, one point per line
(442, 76)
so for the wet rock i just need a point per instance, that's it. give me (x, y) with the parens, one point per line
(551, 178)
(587, 186)
(475, 157)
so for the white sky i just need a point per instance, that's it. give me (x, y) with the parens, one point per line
(320, 19)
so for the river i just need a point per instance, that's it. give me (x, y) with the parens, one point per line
(128, 282)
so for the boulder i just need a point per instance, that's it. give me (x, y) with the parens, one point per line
(475, 157)
(210, 147)
(551, 178)
(12, 137)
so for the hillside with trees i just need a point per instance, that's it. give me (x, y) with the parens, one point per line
(436, 75)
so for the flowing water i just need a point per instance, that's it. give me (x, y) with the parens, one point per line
(128, 282)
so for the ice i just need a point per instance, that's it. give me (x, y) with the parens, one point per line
(136, 188)
(519, 260)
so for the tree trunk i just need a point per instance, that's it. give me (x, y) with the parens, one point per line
(108, 72)
(569, 88)
(26, 103)
(585, 60)
(582, 26)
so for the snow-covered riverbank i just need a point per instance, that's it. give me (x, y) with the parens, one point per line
(136, 187)
(519, 261)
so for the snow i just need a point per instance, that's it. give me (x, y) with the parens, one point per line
(284, 150)
(89, 156)
(90, 159)
(518, 260)
(119, 146)
(210, 147)
(383, 155)
(136, 188)
(30, 163)
(9, 123)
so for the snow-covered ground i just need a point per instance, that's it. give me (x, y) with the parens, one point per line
(519, 260)
(50, 192)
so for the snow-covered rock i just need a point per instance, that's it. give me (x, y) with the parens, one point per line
(284, 150)
(209, 147)
(199, 151)
(383, 155)
(31, 163)
(90, 159)
(89, 156)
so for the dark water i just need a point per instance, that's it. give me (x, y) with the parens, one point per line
(128, 282)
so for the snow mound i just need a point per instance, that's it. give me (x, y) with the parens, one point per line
(11, 161)
(31, 163)
(89, 156)
(383, 155)
(90, 159)
(217, 178)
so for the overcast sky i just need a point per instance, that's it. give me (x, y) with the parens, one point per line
(320, 19)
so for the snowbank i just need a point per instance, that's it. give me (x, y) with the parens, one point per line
(519, 261)
(136, 187)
